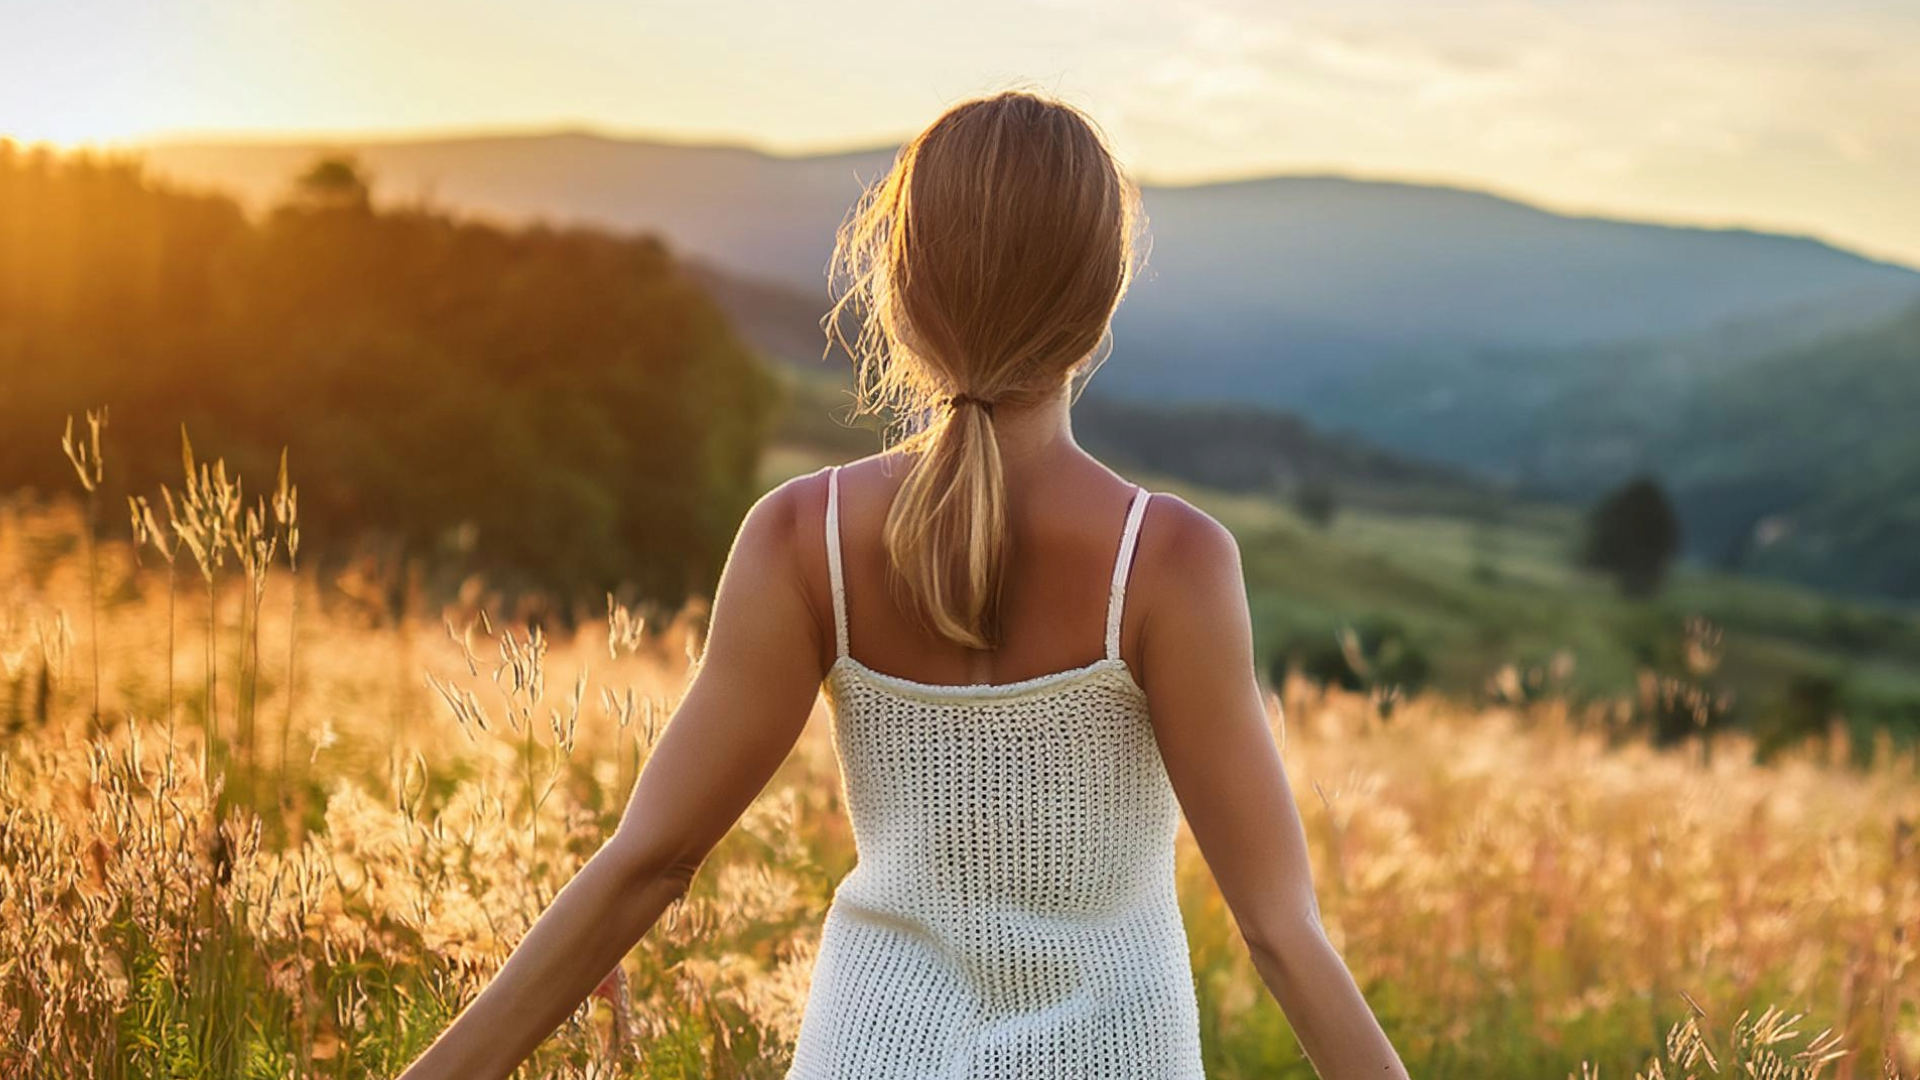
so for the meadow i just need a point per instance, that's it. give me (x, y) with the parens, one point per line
(267, 816)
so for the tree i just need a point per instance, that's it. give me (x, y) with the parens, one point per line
(1315, 502)
(338, 182)
(1633, 534)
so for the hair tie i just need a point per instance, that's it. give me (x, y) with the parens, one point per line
(958, 400)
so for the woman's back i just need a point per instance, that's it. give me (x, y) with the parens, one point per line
(1065, 516)
(1013, 910)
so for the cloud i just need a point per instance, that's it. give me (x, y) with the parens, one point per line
(1710, 110)
(1606, 81)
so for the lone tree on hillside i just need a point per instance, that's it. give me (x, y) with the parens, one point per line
(1316, 503)
(1633, 534)
(336, 182)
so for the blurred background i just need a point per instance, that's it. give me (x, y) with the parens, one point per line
(1535, 351)
(1496, 329)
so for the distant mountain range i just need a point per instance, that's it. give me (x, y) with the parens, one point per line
(1308, 269)
(1558, 352)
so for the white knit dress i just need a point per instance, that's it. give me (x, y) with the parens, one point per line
(1012, 913)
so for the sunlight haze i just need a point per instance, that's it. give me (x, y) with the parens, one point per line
(1783, 116)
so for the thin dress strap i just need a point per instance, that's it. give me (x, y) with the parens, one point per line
(1117, 596)
(834, 574)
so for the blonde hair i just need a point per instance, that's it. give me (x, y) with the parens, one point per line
(983, 270)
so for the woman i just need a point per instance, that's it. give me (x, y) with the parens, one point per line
(1014, 788)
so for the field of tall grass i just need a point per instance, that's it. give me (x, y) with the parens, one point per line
(263, 818)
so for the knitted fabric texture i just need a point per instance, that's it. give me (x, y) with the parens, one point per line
(1012, 912)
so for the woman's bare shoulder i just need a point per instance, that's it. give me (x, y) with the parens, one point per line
(787, 526)
(1187, 570)
(1182, 541)
(781, 514)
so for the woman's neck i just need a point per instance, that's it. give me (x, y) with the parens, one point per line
(1032, 435)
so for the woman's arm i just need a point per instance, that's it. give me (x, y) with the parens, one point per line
(750, 699)
(1209, 717)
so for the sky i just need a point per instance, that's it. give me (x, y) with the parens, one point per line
(1798, 116)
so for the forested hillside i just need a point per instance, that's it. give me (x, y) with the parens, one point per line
(1791, 448)
(560, 406)
(1808, 461)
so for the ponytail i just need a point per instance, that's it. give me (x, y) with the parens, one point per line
(946, 532)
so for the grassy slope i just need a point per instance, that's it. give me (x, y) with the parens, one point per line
(1476, 594)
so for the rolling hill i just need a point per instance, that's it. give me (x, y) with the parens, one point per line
(1556, 351)
(1286, 279)
(1806, 464)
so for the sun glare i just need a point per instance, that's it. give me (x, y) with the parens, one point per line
(75, 129)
